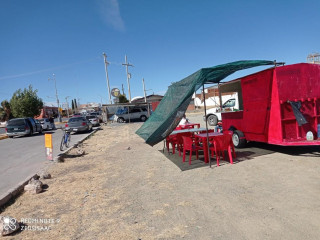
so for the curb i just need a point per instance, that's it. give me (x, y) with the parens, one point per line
(15, 191)
(12, 193)
(3, 137)
(61, 155)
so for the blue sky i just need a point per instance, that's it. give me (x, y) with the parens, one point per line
(165, 40)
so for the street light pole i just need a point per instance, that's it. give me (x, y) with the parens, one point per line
(55, 85)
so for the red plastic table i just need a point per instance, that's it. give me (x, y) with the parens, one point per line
(190, 125)
(203, 138)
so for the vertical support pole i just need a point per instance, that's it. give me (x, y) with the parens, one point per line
(106, 68)
(220, 97)
(205, 113)
(67, 106)
(128, 76)
(145, 97)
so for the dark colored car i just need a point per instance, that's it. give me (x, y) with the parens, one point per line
(23, 127)
(78, 124)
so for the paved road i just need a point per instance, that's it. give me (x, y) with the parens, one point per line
(22, 157)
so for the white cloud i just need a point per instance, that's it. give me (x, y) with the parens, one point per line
(110, 14)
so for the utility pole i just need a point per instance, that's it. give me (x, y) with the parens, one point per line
(67, 105)
(145, 96)
(144, 91)
(55, 85)
(106, 63)
(128, 75)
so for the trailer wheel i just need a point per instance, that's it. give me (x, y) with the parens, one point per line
(212, 120)
(238, 139)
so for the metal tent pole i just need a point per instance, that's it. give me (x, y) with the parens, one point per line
(220, 98)
(205, 113)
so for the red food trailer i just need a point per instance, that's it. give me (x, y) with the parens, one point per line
(280, 105)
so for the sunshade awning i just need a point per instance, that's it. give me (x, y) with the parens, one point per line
(176, 100)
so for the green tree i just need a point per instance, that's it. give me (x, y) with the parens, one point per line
(72, 105)
(26, 103)
(123, 98)
(5, 111)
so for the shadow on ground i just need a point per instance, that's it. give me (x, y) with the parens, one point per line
(252, 151)
(177, 160)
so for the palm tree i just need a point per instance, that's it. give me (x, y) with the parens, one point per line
(5, 111)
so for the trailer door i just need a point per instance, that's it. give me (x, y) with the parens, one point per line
(256, 92)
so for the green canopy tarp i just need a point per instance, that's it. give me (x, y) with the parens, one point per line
(176, 100)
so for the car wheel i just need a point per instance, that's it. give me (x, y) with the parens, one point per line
(10, 136)
(120, 120)
(238, 139)
(31, 132)
(143, 118)
(40, 132)
(212, 120)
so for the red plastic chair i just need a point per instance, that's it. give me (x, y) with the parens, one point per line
(173, 139)
(223, 143)
(180, 140)
(191, 146)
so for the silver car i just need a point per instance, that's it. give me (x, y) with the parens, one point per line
(78, 124)
(93, 119)
(133, 113)
(45, 123)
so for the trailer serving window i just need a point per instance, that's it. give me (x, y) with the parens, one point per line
(233, 89)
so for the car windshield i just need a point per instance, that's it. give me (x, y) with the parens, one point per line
(230, 103)
(76, 119)
(41, 120)
(16, 122)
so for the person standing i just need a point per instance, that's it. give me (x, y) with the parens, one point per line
(184, 120)
(51, 120)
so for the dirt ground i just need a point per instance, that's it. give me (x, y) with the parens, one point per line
(122, 188)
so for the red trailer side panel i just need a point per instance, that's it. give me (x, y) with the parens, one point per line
(275, 129)
(256, 92)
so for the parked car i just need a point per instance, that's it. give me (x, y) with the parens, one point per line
(97, 114)
(46, 124)
(133, 113)
(78, 124)
(93, 119)
(23, 127)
